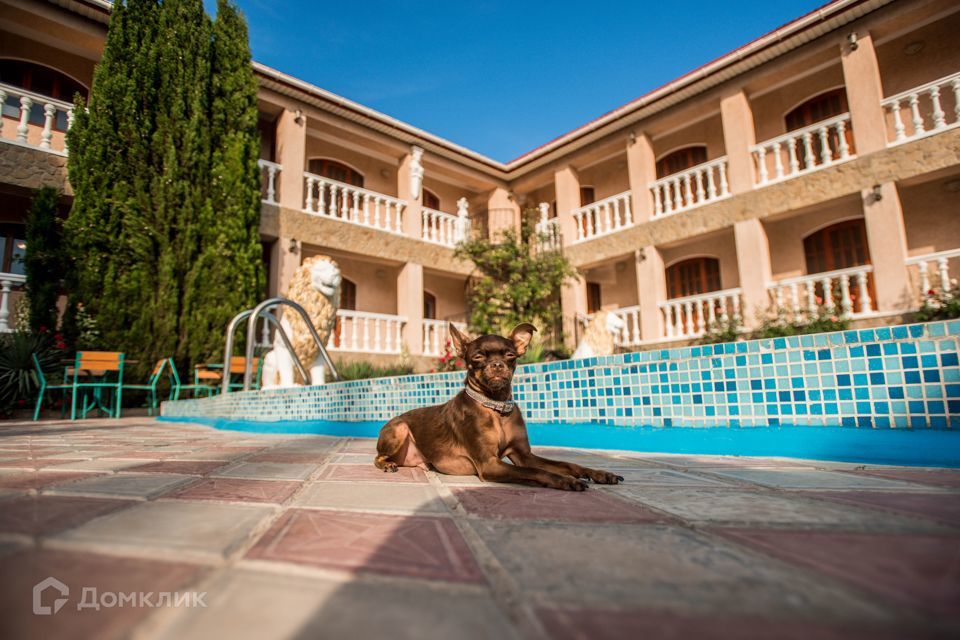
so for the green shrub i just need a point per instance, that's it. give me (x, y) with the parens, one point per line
(944, 305)
(364, 370)
(18, 376)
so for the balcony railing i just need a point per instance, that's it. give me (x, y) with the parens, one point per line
(7, 282)
(340, 201)
(547, 230)
(268, 181)
(691, 316)
(443, 228)
(846, 291)
(365, 332)
(435, 335)
(933, 272)
(804, 150)
(933, 107)
(690, 188)
(29, 110)
(603, 217)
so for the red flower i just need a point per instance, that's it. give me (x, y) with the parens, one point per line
(931, 292)
(43, 329)
(61, 345)
(459, 363)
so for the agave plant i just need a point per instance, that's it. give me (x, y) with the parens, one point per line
(18, 375)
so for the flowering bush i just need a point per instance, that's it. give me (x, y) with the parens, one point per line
(449, 360)
(942, 305)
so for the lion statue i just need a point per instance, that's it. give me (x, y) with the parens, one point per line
(599, 338)
(315, 287)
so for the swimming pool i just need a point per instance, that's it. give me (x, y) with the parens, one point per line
(883, 395)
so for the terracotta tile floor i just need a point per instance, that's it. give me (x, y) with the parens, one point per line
(298, 536)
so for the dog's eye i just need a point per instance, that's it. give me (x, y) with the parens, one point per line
(511, 356)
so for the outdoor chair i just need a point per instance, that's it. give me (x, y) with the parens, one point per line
(213, 373)
(45, 386)
(95, 367)
(151, 386)
(177, 387)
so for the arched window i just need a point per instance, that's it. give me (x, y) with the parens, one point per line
(693, 276)
(429, 306)
(431, 200)
(348, 295)
(335, 171)
(42, 80)
(680, 160)
(816, 109)
(839, 246)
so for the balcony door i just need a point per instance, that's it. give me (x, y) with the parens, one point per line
(693, 276)
(431, 200)
(816, 109)
(681, 160)
(348, 302)
(334, 170)
(429, 306)
(840, 246)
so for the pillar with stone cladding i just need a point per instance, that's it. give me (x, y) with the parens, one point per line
(861, 77)
(291, 146)
(641, 170)
(739, 135)
(753, 267)
(652, 290)
(410, 305)
(887, 240)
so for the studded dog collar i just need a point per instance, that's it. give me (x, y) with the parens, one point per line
(500, 406)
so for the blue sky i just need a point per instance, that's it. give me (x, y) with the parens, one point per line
(500, 77)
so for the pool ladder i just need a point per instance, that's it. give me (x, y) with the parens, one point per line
(262, 310)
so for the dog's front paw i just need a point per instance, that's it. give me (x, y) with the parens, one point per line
(603, 477)
(569, 483)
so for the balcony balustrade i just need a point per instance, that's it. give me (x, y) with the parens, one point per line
(933, 107)
(692, 316)
(603, 217)
(7, 282)
(268, 181)
(804, 150)
(933, 272)
(547, 230)
(29, 110)
(436, 333)
(444, 228)
(365, 332)
(845, 291)
(693, 187)
(340, 201)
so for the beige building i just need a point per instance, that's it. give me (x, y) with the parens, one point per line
(817, 164)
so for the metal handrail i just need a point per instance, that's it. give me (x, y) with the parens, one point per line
(251, 338)
(231, 331)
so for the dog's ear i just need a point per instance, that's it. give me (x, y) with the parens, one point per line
(460, 341)
(521, 336)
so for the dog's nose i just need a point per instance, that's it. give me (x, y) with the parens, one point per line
(497, 364)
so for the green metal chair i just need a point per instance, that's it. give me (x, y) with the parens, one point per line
(45, 386)
(96, 367)
(151, 386)
(177, 387)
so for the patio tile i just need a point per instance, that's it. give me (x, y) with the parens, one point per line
(98, 464)
(666, 568)
(733, 507)
(126, 485)
(44, 515)
(356, 472)
(267, 471)
(666, 477)
(353, 458)
(470, 481)
(246, 604)
(289, 457)
(188, 467)
(922, 571)
(186, 528)
(599, 624)
(361, 445)
(411, 546)
(22, 570)
(812, 479)
(375, 496)
(949, 478)
(943, 507)
(40, 479)
(549, 504)
(238, 490)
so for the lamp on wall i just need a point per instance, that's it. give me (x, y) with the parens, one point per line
(633, 137)
(877, 193)
(298, 116)
(294, 247)
(852, 41)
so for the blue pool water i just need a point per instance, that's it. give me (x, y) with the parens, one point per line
(931, 448)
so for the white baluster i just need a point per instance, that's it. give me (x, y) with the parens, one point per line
(667, 198)
(376, 210)
(701, 193)
(688, 311)
(308, 205)
(918, 127)
(355, 210)
(795, 297)
(842, 135)
(724, 188)
(956, 99)
(3, 102)
(827, 285)
(845, 302)
(5, 288)
(366, 209)
(778, 160)
(866, 304)
(939, 117)
(627, 213)
(687, 191)
(735, 302)
(808, 156)
(677, 195)
(635, 314)
(761, 166)
(657, 204)
(617, 218)
(49, 112)
(590, 227)
(334, 199)
(345, 203)
(792, 155)
(366, 333)
(825, 154)
(377, 339)
(399, 228)
(778, 297)
(811, 297)
(698, 305)
(924, 279)
(711, 185)
(322, 198)
(900, 131)
(25, 104)
(271, 184)
(944, 275)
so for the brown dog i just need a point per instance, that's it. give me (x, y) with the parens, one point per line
(470, 434)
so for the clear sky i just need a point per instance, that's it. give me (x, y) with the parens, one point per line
(501, 77)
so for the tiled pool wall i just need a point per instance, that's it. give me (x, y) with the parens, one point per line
(889, 377)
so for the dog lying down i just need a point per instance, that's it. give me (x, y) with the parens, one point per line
(471, 434)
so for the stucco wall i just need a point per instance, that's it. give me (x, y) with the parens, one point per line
(378, 175)
(770, 108)
(786, 235)
(707, 132)
(449, 292)
(721, 246)
(931, 214)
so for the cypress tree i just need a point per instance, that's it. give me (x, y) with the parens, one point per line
(227, 276)
(43, 261)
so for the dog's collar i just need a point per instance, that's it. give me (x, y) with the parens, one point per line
(500, 406)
